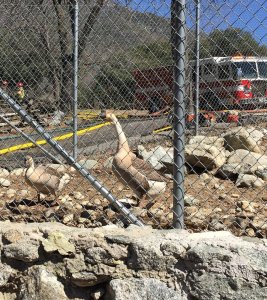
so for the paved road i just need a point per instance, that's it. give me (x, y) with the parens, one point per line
(99, 140)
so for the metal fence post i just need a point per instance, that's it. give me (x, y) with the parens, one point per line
(178, 46)
(75, 79)
(197, 66)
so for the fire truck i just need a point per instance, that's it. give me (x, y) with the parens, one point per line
(236, 82)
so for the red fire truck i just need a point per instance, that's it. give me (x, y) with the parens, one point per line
(235, 82)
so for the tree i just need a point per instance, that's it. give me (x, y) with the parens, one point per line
(230, 41)
(65, 29)
(51, 23)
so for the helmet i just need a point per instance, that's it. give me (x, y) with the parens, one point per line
(5, 82)
(20, 84)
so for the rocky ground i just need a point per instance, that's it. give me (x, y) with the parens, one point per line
(225, 187)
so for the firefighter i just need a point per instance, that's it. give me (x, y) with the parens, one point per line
(20, 92)
(22, 97)
(5, 86)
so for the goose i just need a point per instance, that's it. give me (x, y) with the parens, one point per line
(43, 179)
(134, 172)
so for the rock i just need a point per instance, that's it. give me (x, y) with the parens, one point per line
(18, 172)
(222, 197)
(208, 140)
(78, 206)
(190, 210)
(255, 134)
(97, 294)
(6, 272)
(57, 118)
(262, 172)
(240, 138)
(65, 199)
(42, 285)
(4, 182)
(128, 202)
(89, 164)
(245, 157)
(11, 193)
(78, 195)
(246, 180)
(25, 249)
(235, 196)
(23, 193)
(56, 241)
(108, 163)
(216, 225)
(246, 206)
(232, 170)
(250, 232)
(222, 279)
(140, 289)
(62, 168)
(190, 200)
(12, 236)
(205, 177)
(153, 157)
(68, 218)
(4, 172)
(80, 274)
(204, 156)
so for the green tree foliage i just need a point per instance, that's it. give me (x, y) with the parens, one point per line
(230, 41)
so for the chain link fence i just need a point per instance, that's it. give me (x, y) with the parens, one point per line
(150, 112)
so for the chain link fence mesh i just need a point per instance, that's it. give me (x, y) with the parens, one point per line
(126, 69)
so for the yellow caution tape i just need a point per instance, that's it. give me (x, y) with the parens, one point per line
(57, 138)
(162, 129)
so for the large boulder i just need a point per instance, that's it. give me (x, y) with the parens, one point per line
(245, 157)
(204, 156)
(157, 156)
(242, 138)
(208, 140)
(248, 180)
(232, 170)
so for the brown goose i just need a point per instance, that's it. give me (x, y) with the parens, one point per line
(138, 174)
(43, 179)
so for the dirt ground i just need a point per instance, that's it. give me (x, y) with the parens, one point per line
(217, 205)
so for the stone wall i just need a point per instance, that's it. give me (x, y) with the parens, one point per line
(52, 261)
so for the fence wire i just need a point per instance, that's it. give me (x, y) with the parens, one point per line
(170, 117)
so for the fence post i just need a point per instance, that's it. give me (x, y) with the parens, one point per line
(197, 66)
(178, 47)
(75, 79)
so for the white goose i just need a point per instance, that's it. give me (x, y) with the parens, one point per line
(138, 174)
(43, 179)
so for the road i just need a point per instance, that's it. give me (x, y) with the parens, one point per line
(100, 140)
